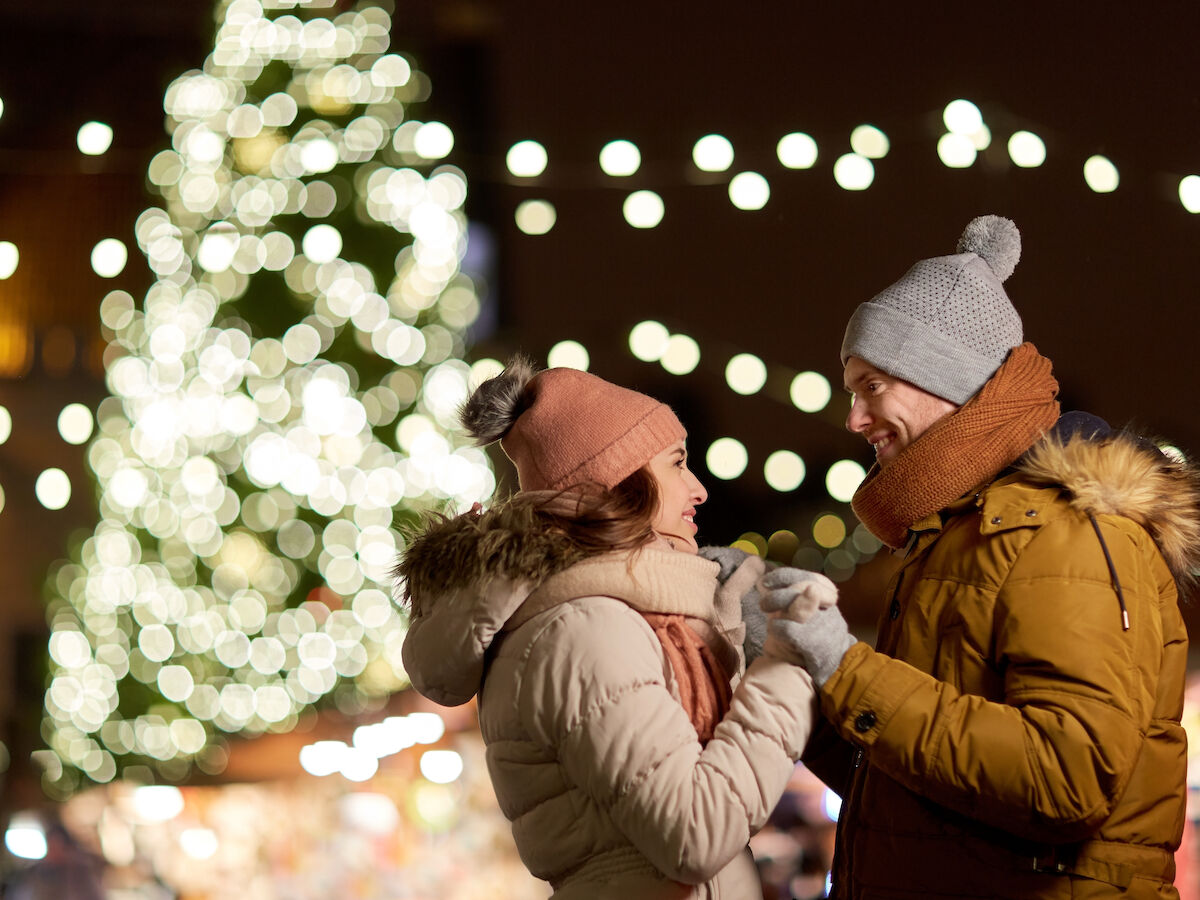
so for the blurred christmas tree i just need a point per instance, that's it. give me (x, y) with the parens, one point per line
(281, 400)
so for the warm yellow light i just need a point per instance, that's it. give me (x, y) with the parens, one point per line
(869, 141)
(784, 470)
(75, 423)
(810, 392)
(745, 374)
(9, 257)
(681, 356)
(829, 531)
(843, 479)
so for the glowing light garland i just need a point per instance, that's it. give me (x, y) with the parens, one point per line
(277, 402)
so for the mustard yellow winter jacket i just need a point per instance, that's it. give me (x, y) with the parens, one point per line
(610, 793)
(1009, 736)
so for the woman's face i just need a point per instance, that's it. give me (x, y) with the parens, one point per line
(679, 495)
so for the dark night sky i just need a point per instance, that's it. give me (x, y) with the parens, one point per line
(1107, 285)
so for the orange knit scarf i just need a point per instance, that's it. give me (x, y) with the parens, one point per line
(704, 691)
(962, 450)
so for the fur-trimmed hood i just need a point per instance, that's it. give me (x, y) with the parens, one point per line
(1126, 475)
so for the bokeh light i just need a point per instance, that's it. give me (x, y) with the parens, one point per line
(620, 158)
(433, 140)
(526, 159)
(956, 151)
(869, 141)
(75, 423)
(829, 530)
(681, 355)
(643, 209)
(784, 470)
(843, 479)
(94, 138)
(797, 150)
(745, 374)
(9, 258)
(713, 153)
(1189, 193)
(810, 392)
(726, 458)
(568, 355)
(749, 191)
(53, 488)
(962, 117)
(5, 424)
(1101, 175)
(535, 216)
(648, 340)
(853, 172)
(109, 257)
(1026, 149)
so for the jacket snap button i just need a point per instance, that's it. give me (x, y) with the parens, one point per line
(996, 520)
(1031, 513)
(865, 722)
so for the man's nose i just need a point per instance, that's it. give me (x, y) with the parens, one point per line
(857, 419)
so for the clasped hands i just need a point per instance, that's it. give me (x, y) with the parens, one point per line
(804, 625)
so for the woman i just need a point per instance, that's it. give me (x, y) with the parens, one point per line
(627, 760)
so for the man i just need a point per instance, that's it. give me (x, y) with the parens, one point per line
(1016, 730)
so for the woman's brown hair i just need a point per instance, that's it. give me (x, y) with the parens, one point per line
(621, 518)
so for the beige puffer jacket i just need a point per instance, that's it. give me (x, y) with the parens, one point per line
(592, 758)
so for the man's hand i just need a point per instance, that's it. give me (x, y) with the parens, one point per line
(804, 625)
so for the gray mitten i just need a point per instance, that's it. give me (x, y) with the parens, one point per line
(795, 594)
(817, 644)
(756, 626)
(728, 558)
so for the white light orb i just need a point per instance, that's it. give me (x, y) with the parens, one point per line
(869, 141)
(319, 155)
(157, 802)
(620, 158)
(1026, 149)
(441, 766)
(217, 248)
(853, 172)
(745, 374)
(643, 209)
(962, 117)
(749, 191)
(956, 151)
(94, 138)
(681, 356)
(75, 423)
(796, 150)
(784, 470)
(1189, 193)
(109, 257)
(535, 216)
(981, 138)
(568, 355)
(198, 843)
(26, 838)
(648, 340)
(713, 153)
(9, 257)
(53, 488)
(810, 392)
(526, 159)
(1101, 175)
(5, 424)
(726, 458)
(322, 243)
(843, 479)
(433, 140)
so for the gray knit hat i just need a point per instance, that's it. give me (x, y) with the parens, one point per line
(947, 325)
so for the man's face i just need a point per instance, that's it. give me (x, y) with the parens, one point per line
(888, 412)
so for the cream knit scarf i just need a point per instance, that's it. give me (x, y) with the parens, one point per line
(962, 450)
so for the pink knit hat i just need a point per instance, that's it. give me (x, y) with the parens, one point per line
(563, 428)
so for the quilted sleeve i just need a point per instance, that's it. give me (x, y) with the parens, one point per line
(594, 688)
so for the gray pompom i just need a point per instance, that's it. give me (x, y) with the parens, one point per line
(494, 406)
(995, 240)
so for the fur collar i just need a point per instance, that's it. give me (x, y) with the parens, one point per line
(1127, 476)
